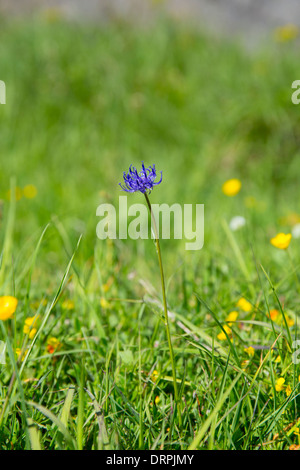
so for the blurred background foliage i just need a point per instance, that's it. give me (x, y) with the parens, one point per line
(86, 100)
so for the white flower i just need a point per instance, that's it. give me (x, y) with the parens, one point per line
(296, 231)
(237, 222)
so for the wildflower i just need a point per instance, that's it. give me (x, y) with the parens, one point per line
(232, 317)
(278, 359)
(274, 314)
(286, 33)
(288, 390)
(222, 336)
(104, 303)
(142, 181)
(279, 384)
(30, 191)
(18, 354)
(154, 375)
(281, 241)
(231, 187)
(250, 351)
(30, 326)
(157, 400)
(244, 305)
(237, 222)
(68, 304)
(290, 321)
(8, 305)
(53, 344)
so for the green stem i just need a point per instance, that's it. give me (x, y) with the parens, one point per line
(165, 308)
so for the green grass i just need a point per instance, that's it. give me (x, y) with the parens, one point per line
(83, 102)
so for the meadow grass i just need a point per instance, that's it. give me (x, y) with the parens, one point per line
(83, 102)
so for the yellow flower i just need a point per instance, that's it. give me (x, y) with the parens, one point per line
(30, 326)
(104, 303)
(29, 191)
(222, 336)
(154, 375)
(282, 240)
(157, 400)
(250, 351)
(286, 33)
(53, 344)
(288, 390)
(279, 384)
(231, 187)
(8, 305)
(32, 333)
(290, 321)
(232, 317)
(68, 304)
(244, 305)
(18, 354)
(278, 359)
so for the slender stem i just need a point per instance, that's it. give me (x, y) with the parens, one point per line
(165, 308)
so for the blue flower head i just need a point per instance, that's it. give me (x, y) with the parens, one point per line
(142, 181)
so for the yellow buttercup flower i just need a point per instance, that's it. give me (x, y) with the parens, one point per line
(154, 375)
(32, 333)
(288, 390)
(286, 33)
(250, 351)
(30, 191)
(30, 326)
(157, 400)
(104, 303)
(244, 305)
(232, 317)
(279, 384)
(222, 336)
(282, 240)
(8, 305)
(231, 187)
(18, 354)
(53, 344)
(278, 359)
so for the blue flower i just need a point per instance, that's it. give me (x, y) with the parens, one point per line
(142, 181)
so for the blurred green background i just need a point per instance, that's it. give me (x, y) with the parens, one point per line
(84, 101)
